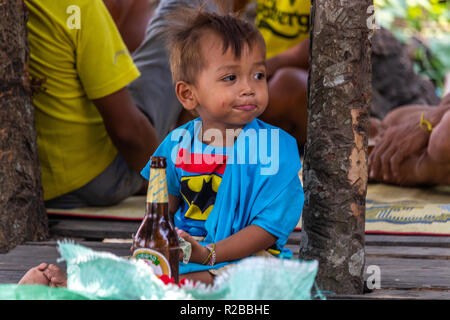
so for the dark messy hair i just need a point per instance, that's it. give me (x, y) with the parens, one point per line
(187, 25)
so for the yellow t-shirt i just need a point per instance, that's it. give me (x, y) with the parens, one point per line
(76, 46)
(283, 23)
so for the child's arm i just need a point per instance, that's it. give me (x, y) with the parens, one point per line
(242, 244)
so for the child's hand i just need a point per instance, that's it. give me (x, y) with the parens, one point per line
(199, 252)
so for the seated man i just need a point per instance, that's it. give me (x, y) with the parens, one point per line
(92, 140)
(412, 144)
(285, 27)
(153, 92)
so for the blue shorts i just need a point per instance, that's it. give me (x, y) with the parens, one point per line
(116, 183)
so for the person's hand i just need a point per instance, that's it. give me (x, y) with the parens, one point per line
(396, 144)
(199, 252)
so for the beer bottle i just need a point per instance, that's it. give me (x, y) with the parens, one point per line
(156, 241)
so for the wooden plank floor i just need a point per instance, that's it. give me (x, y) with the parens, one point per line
(411, 267)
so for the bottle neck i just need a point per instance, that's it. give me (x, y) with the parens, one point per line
(156, 211)
(157, 186)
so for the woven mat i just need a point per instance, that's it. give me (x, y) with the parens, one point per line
(389, 210)
(132, 208)
(396, 210)
(406, 211)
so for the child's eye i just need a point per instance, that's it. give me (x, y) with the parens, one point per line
(230, 77)
(259, 76)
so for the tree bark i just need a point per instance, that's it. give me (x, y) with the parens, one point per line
(22, 212)
(335, 164)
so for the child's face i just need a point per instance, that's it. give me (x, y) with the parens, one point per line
(230, 92)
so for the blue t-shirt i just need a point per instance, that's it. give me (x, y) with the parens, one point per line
(194, 175)
(223, 190)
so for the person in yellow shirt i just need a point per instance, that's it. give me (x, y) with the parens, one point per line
(283, 23)
(75, 122)
(92, 139)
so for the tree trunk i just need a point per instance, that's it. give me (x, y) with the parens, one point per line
(22, 212)
(335, 164)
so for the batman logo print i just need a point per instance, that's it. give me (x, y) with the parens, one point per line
(199, 192)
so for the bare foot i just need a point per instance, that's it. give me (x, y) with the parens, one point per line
(36, 276)
(56, 276)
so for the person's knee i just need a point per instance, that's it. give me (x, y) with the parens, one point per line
(111, 196)
(291, 80)
(287, 91)
(439, 144)
(116, 183)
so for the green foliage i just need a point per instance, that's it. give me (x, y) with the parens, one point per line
(428, 21)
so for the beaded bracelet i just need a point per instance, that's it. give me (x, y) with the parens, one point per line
(212, 259)
(212, 253)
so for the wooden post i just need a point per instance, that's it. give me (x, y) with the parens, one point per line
(335, 164)
(22, 212)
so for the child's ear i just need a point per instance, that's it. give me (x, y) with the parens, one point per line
(186, 95)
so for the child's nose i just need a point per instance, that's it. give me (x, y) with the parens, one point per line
(247, 89)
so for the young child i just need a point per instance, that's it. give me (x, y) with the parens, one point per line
(227, 196)
(224, 191)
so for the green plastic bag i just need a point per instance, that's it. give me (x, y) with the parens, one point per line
(103, 275)
(258, 278)
(38, 292)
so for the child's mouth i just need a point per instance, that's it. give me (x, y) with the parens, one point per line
(246, 107)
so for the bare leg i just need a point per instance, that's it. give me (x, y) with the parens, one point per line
(287, 102)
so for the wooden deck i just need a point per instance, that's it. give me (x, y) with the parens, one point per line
(411, 267)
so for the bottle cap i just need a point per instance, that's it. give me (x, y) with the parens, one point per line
(158, 162)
